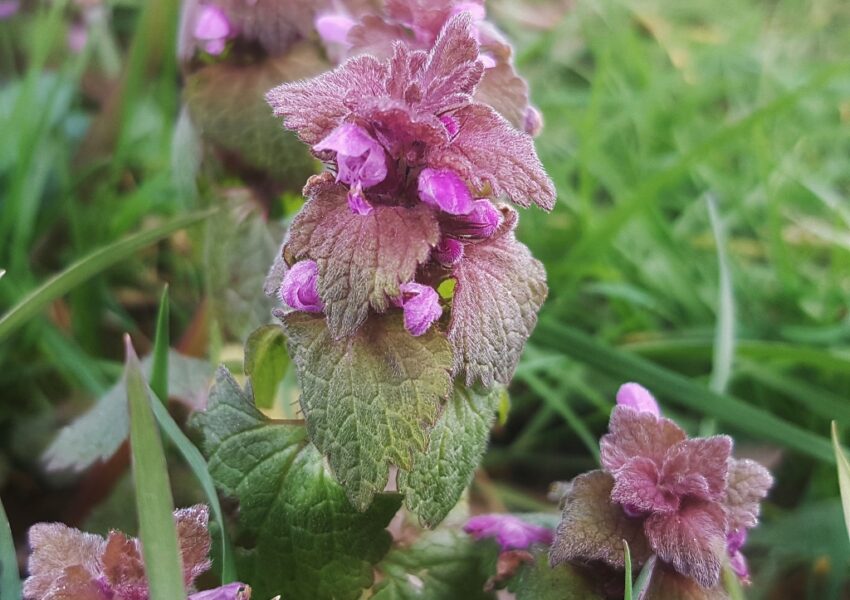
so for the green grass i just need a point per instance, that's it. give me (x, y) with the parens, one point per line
(655, 110)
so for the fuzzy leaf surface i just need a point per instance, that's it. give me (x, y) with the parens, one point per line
(500, 287)
(308, 542)
(458, 441)
(666, 584)
(362, 259)
(370, 399)
(539, 581)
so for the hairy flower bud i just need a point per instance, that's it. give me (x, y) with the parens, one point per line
(421, 305)
(299, 287)
(213, 29)
(444, 189)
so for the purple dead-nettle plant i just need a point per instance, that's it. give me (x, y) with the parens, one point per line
(687, 501)
(414, 200)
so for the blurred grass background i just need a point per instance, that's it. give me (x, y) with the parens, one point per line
(655, 110)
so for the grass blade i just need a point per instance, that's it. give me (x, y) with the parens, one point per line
(10, 582)
(159, 372)
(89, 266)
(642, 584)
(843, 475)
(724, 337)
(628, 558)
(154, 502)
(196, 462)
(625, 366)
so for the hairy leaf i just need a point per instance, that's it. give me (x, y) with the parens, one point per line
(370, 399)
(456, 445)
(362, 259)
(666, 584)
(500, 287)
(307, 540)
(439, 566)
(97, 434)
(506, 92)
(592, 528)
(748, 483)
(227, 105)
(540, 581)
(488, 151)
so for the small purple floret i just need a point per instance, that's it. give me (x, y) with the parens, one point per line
(421, 305)
(231, 591)
(361, 162)
(213, 28)
(299, 288)
(9, 8)
(532, 121)
(479, 224)
(637, 397)
(444, 189)
(333, 28)
(448, 252)
(511, 533)
(735, 540)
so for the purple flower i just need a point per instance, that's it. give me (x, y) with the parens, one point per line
(333, 28)
(637, 397)
(213, 29)
(231, 591)
(448, 252)
(480, 223)
(532, 122)
(421, 305)
(511, 533)
(9, 8)
(361, 162)
(735, 540)
(299, 287)
(443, 189)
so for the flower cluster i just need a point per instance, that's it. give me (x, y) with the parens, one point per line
(67, 563)
(687, 501)
(418, 170)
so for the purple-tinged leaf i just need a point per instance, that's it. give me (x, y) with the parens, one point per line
(748, 484)
(593, 528)
(362, 260)
(55, 549)
(632, 433)
(489, 152)
(637, 489)
(500, 288)
(692, 540)
(506, 92)
(369, 399)
(667, 584)
(698, 467)
(315, 107)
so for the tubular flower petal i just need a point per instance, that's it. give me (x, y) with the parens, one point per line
(299, 287)
(511, 533)
(333, 28)
(421, 305)
(637, 397)
(480, 223)
(443, 189)
(213, 29)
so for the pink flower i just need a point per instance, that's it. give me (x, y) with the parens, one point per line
(333, 28)
(443, 189)
(299, 287)
(231, 591)
(360, 160)
(511, 533)
(213, 29)
(479, 223)
(448, 252)
(421, 306)
(637, 397)
(9, 8)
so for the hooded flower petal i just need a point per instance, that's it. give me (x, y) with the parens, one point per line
(637, 397)
(489, 152)
(212, 28)
(593, 528)
(231, 591)
(692, 540)
(299, 290)
(360, 159)
(315, 107)
(333, 27)
(512, 533)
(500, 287)
(698, 467)
(421, 305)
(632, 433)
(448, 252)
(637, 488)
(481, 222)
(748, 484)
(443, 189)
(362, 260)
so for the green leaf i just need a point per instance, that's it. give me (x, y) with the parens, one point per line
(196, 462)
(307, 541)
(266, 362)
(539, 581)
(87, 267)
(10, 582)
(724, 337)
(628, 560)
(457, 443)
(681, 390)
(154, 503)
(442, 565)
(369, 399)
(159, 371)
(843, 475)
(97, 434)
